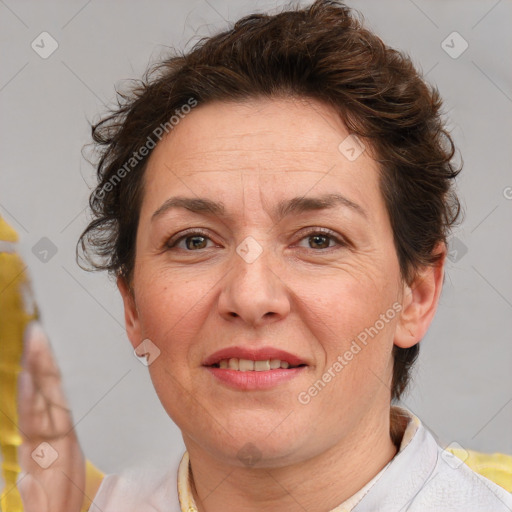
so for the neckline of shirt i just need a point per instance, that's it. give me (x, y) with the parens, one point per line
(188, 504)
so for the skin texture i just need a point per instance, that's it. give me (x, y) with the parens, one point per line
(307, 295)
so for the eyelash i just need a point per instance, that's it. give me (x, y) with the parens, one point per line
(171, 243)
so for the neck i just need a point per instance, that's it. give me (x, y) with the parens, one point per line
(320, 483)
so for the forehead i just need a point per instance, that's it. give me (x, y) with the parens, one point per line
(293, 125)
(264, 146)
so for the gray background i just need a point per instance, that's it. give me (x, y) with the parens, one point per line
(463, 382)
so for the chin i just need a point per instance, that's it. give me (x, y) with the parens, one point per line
(267, 442)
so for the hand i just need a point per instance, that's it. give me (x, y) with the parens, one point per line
(53, 466)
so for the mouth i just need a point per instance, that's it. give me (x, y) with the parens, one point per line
(249, 365)
(246, 359)
(249, 369)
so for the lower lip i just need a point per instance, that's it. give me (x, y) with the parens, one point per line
(253, 380)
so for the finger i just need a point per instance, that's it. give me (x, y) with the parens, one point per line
(39, 361)
(36, 415)
(50, 454)
(32, 493)
(55, 476)
(28, 408)
(41, 396)
(38, 358)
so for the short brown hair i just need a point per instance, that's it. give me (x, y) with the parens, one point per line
(321, 52)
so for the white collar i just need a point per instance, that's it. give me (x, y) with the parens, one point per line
(187, 503)
(421, 477)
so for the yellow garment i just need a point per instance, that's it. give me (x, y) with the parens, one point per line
(497, 467)
(17, 310)
(187, 503)
(93, 478)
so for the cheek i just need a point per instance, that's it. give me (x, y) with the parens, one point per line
(168, 305)
(174, 290)
(354, 326)
(346, 303)
(170, 312)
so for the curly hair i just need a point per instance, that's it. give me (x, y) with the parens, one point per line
(321, 52)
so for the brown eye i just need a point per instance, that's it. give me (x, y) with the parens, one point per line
(321, 240)
(196, 242)
(190, 242)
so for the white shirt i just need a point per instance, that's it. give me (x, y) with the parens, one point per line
(422, 477)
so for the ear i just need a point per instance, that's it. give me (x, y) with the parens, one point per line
(131, 315)
(420, 300)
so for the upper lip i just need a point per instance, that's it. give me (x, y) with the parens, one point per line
(254, 354)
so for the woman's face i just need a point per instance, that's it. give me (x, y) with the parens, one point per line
(268, 270)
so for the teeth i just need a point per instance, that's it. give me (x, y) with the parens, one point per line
(246, 365)
(274, 364)
(261, 366)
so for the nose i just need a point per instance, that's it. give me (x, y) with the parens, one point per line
(253, 292)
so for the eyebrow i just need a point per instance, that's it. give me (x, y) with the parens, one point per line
(284, 208)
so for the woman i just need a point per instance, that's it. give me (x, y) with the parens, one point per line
(274, 206)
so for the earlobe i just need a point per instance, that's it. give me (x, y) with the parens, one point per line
(131, 315)
(420, 302)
